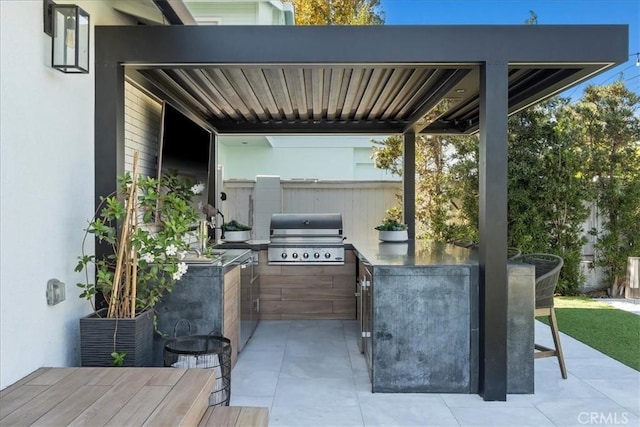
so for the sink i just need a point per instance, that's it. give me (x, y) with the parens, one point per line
(201, 259)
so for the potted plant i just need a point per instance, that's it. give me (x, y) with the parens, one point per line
(391, 230)
(234, 231)
(145, 226)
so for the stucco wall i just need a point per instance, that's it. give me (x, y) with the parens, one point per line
(46, 187)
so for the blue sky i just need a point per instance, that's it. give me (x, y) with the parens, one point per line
(425, 12)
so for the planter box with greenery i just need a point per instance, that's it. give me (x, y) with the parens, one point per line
(235, 231)
(147, 225)
(392, 231)
(132, 340)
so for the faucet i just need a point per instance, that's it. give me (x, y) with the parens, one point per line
(211, 212)
(203, 236)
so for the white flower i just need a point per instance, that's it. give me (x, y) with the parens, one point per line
(198, 188)
(182, 254)
(148, 257)
(171, 250)
(182, 268)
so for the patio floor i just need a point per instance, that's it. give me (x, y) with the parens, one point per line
(310, 373)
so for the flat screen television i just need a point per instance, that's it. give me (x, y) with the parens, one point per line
(184, 149)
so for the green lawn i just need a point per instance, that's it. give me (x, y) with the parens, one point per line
(613, 332)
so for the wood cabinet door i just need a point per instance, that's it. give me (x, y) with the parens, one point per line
(231, 319)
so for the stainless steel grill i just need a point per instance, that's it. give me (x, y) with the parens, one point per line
(306, 239)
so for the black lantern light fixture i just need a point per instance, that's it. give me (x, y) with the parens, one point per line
(68, 26)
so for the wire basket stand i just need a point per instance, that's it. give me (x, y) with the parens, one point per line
(207, 352)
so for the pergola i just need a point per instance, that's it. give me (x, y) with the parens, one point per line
(360, 80)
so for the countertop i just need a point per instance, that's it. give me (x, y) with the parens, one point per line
(414, 253)
(254, 245)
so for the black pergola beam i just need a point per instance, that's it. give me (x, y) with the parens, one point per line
(148, 45)
(493, 229)
(409, 182)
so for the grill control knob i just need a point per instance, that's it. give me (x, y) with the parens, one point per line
(327, 255)
(316, 255)
(284, 255)
(294, 255)
(305, 255)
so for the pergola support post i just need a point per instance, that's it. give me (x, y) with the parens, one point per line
(409, 182)
(493, 229)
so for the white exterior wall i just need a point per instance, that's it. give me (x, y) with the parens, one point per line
(236, 12)
(46, 187)
(336, 163)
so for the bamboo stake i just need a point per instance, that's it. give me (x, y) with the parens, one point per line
(123, 303)
(124, 237)
(134, 262)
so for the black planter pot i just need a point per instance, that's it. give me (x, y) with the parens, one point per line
(133, 336)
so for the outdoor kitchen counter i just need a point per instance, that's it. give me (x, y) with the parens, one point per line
(413, 253)
(196, 305)
(423, 322)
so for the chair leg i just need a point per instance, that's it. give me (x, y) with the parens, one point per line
(556, 341)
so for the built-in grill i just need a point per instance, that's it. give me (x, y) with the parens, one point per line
(306, 239)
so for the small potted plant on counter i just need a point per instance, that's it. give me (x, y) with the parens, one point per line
(146, 227)
(391, 230)
(234, 231)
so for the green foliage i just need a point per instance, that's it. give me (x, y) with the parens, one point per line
(390, 224)
(441, 201)
(155, 245)
(532, 19)
(118, 358)
(547, 188)
(611, 140)
(234, 225)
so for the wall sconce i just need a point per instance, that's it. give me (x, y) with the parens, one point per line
(68, 26)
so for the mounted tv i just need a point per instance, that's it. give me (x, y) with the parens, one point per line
(184, 149)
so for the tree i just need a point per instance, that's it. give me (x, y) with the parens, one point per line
(532, 19)
(438, 217)
(547, 187)
(338, 12)
(611, 139)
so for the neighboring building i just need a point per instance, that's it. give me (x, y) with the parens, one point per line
(241, 12)
(346, 158)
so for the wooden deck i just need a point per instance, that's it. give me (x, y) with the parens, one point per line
(108, 397)
(235, 416)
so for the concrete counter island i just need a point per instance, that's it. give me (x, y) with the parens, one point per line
(209, 297)
(419, 315)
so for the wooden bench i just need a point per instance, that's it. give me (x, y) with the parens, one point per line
(114, 396)
(235, 416)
